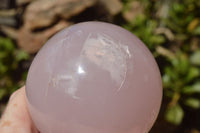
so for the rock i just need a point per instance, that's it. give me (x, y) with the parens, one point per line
(9, 31)
(5, 4)
(113, 6)
(10, 21)
(32, 42)
(68, 8)
(8, 17)
(134, 8)
(23, 2)
(43, 13)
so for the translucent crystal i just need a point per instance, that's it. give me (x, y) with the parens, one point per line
(94, 77)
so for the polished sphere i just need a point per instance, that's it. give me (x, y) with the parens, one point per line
(94, 77)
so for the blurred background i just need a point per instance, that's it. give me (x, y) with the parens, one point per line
(169, 28)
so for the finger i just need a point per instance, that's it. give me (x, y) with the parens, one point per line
(16, 118)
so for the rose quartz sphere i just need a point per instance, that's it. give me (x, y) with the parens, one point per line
(94, 77)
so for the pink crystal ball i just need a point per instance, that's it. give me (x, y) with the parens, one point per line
(94, 77)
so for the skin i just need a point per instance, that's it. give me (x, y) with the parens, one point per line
(16, 118)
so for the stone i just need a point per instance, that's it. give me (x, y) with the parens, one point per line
(9, 31)
(31, 42)
(8, 17)
(134, 9)
(5, 4)
(23, 2)
(113, 6)
(94, 77)
(43, 13)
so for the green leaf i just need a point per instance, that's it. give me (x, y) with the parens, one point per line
(166, 80)
(3, 54)
(195, 58)
(174, 114)
(195, 88)
(183, 64)
(22, 55)
(178, 7)
(2, 92)
(192, 73)
(157, 39)
(193, 103)
(197, 31)
(171, 73)
(6, 44)
(3, 68)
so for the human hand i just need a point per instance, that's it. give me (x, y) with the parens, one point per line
(16, 118)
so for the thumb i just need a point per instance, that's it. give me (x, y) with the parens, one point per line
(16, 118)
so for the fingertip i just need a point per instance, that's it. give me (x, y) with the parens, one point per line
(20, 91)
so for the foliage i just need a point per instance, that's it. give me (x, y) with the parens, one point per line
(10, 59)
(171, 30)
